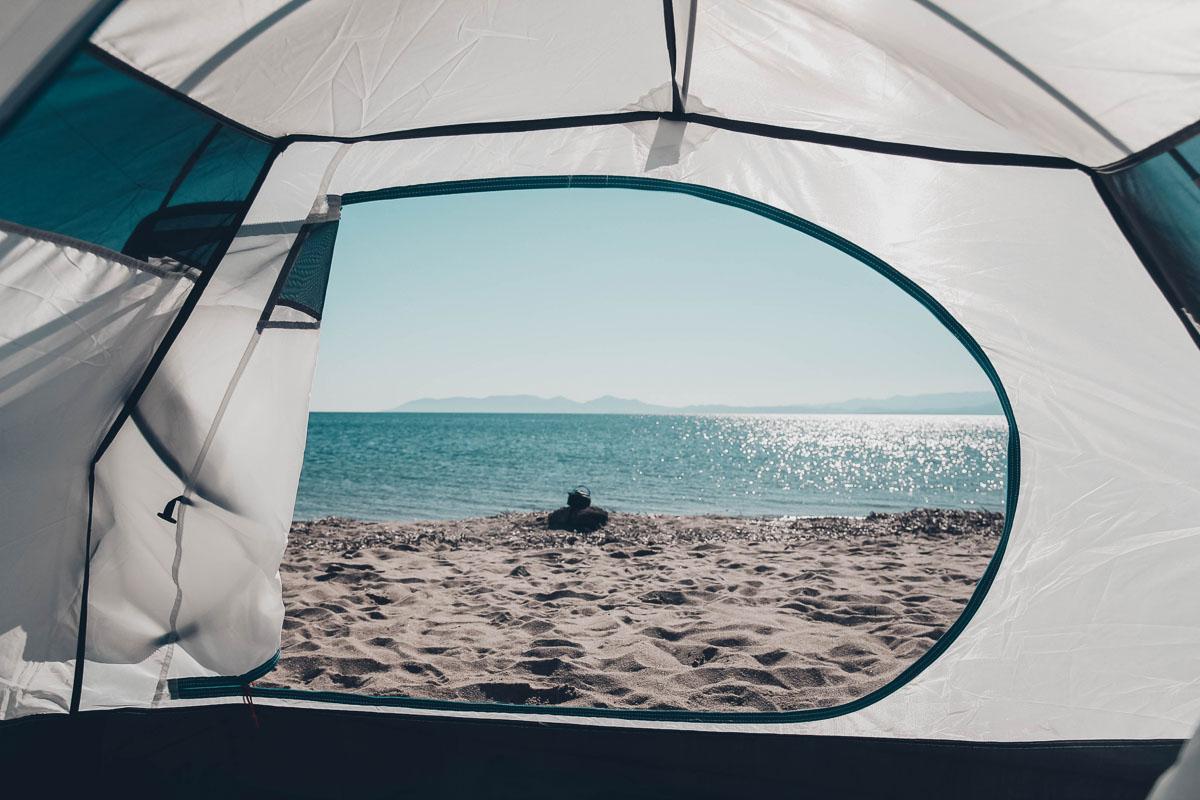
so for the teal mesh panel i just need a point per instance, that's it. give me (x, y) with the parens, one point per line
(101, 155)
(305, 286)
(225, 171)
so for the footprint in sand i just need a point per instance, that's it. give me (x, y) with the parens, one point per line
(664, 597)
(561, 594)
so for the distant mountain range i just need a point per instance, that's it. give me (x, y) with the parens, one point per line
(946, 403)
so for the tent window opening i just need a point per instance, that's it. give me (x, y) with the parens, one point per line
(103, 157)
(629, 453)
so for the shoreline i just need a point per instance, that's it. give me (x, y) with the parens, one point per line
(705, 613)
(336, 518)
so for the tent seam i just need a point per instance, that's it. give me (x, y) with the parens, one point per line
(63, 240)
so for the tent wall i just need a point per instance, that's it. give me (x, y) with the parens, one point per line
(370, 67)
(222, 424)
(1108, 79)
(166, 185)
(905, 71)
(77, 325)
(1070, 642)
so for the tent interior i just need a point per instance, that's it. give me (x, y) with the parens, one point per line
(1030, 174)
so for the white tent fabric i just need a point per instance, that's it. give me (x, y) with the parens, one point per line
(1089, 630)
(894, 71)
(223, 425)
(353, 69)
(900, 72)
(77, 329)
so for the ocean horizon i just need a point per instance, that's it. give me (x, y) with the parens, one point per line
(413, 466)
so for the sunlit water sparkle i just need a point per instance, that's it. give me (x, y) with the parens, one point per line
(429, 466)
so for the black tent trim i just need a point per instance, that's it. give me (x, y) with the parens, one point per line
(265, 750)
(1146, 153)
(672, 58)
(619, 118)
(191, 688)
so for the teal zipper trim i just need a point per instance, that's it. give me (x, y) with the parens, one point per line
(219, 686)
(223, 687)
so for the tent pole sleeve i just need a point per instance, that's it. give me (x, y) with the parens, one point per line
(672, 58)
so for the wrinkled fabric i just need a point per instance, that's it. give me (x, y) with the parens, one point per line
(1107, 79)
(355, 68)
(76, 330)
(222, 425)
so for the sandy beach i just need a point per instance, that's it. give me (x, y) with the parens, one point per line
(651, 612)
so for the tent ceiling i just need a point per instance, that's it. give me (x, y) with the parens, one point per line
(1085, 80)
(896, 70)
(359, 68)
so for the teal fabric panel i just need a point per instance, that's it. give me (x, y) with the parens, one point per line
(99, 152)
(1161, 198)
(226, 170)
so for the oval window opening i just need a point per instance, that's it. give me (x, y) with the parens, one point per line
(795, 473)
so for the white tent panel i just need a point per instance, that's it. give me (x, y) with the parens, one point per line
(1131, 65)
(1068, 643)
(896, 71)
(77, 329)
(222, 424)
(818, 68)
(201, 597)
(350, 67)
(1122, 75)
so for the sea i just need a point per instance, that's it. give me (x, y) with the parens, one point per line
(397, 466)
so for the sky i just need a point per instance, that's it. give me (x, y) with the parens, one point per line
(657, 296)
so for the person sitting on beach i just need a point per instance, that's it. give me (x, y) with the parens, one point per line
(578, 515)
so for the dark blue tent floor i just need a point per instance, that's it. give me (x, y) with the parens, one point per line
(227, 752)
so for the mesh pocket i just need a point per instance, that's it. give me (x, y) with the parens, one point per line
(304, 289)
